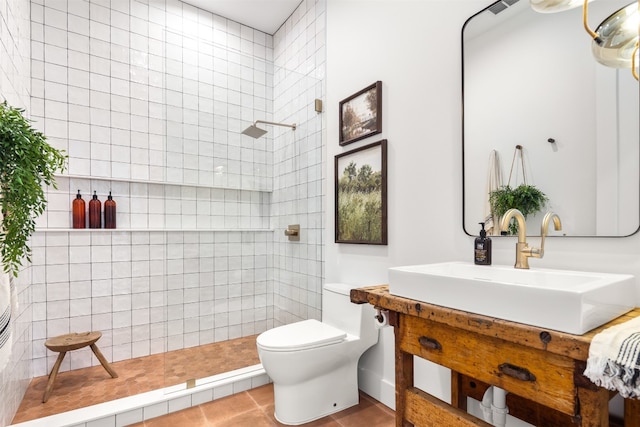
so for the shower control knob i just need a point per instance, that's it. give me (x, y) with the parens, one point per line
(293, 232)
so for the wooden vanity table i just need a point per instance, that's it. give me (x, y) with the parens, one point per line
(541, 369)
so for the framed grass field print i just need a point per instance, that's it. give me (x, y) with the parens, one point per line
(361, 114)
(361, 195)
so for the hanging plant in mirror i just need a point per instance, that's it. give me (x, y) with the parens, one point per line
(526, 198)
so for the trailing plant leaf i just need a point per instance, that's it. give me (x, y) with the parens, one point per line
(27, 164)
(526, 198)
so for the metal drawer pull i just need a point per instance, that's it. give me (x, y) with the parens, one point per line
(516, 372)
(429, 343)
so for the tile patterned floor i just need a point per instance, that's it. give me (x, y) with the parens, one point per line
(254, 408)
(89, 386)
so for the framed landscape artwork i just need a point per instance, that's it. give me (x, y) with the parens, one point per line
(361, 195)
(361, 114)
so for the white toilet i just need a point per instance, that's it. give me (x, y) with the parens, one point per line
(314, 365)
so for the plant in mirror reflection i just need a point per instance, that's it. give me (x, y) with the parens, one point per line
(526, 198)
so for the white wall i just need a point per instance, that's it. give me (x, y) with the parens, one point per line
(413, 47)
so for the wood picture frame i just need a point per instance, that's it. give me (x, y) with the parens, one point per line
(361, 195)
(361, 114)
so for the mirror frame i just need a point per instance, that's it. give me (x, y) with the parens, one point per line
(464, 141)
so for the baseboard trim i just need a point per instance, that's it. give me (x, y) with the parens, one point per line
(377, 387)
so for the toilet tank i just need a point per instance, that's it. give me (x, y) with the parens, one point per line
(339, 311)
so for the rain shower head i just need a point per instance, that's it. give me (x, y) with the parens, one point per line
(255, 132)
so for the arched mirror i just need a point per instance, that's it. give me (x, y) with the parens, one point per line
(530, 79)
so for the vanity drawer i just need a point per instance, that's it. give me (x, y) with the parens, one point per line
(534, 374)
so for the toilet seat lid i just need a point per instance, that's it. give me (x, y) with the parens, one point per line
(300, 336)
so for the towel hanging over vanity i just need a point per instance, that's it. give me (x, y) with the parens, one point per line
(494, 182)
(614, 359)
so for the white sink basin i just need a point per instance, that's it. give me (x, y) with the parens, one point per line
(566, 301)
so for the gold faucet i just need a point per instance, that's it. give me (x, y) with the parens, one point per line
(523, 251)
(544, 227)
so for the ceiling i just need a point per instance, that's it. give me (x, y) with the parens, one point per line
(263, 15)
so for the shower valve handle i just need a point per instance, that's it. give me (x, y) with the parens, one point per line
(293, 232)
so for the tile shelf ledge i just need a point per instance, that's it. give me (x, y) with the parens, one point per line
(155, 230)
(148, 181)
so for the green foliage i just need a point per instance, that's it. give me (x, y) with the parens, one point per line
(360, 204)
(27, 163)
(526, 198)
(359, 217)
(363, 180)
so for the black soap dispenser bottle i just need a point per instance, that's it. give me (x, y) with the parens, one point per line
(482, 248)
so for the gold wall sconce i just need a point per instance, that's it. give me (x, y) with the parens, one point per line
(615, 40)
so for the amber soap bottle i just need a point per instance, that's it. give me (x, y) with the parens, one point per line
(94, 212)
(78, 208)
(109, 212)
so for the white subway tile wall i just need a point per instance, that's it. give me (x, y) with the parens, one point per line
(298, 190)
(149, 99)
(152, 206)
(152, 92)
(15, 69)
(149, 291)
(161, 99)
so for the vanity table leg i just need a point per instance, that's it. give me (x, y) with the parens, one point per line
(458, 398)
(404, 375)
(594, 407)
(631, 413)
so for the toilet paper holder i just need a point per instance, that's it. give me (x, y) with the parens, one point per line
(381, 318)
(293, 232)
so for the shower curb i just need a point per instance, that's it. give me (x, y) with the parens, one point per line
(156, 403)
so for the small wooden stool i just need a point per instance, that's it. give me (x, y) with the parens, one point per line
(68, 342)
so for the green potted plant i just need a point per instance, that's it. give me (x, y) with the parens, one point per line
(526, 198)
(27, 164)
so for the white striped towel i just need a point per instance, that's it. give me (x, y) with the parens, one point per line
(614, 359)
(494, 182)
(5, 318)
